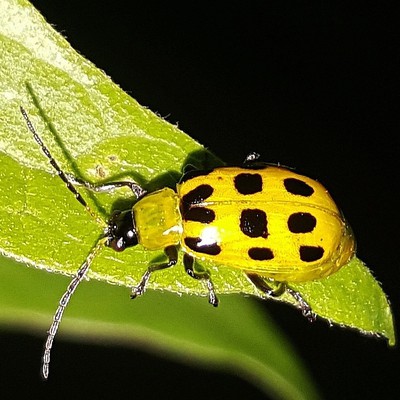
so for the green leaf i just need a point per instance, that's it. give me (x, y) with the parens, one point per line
(99, 133)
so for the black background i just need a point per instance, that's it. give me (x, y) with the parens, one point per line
(308, 84)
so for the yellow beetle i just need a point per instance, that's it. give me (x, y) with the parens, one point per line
(267, 221)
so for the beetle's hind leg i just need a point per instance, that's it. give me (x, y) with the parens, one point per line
(172, 254)
(260, 283)
(188, 262)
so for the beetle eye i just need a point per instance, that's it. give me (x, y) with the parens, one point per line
(118, 245)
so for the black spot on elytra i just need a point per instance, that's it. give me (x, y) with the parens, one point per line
(260, 253)
(311, 253)
(246, 183)
(195, 196)
(298, 187)
(253, 223)
(199, 214)
(301, 222)
(194, 243)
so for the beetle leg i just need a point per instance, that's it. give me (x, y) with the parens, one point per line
(251, 158)
(260, 283)
(136, 189)
(188, 262)
(303, 305)
(172, 254)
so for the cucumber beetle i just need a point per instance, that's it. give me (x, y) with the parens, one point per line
(266, 221)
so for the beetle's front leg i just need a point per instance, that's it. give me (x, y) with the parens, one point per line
(172, 254)
(136, 189)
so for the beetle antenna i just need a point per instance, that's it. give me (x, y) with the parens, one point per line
(79, 276)
(59, 171)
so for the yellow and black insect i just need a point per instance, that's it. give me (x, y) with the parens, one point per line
(269, 222)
